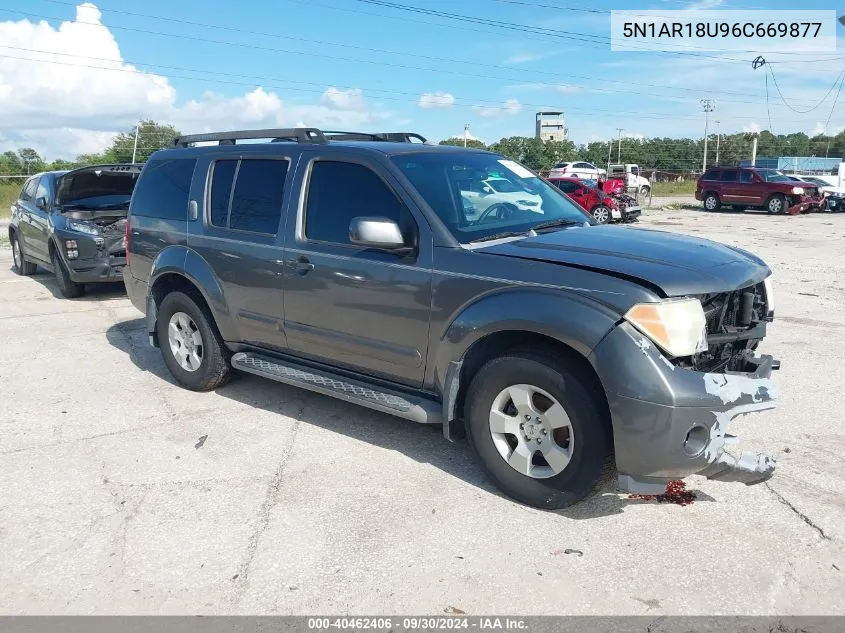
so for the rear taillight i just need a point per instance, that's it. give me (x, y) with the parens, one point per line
(126, 240)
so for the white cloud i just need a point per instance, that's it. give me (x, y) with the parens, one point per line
(76, 97)
(437, 99)
(351, 99)
(509, 107)
(524, 58)
(703, 5)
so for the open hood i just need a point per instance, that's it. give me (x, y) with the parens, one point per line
(676, 264)
(99, 184)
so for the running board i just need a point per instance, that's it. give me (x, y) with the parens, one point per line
(356, 392)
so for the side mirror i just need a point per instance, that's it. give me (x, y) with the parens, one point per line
(41, 203)
(376, 232)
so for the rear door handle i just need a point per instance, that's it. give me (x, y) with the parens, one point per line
(303, 266)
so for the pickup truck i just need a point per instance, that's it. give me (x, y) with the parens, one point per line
(749, 187)
(631, 175)
(346, 263)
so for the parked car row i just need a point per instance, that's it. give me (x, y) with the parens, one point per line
(437, 284)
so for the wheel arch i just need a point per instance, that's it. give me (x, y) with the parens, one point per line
(561, 327)
(180, 268)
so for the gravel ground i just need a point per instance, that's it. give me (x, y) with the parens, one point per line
(122, 493)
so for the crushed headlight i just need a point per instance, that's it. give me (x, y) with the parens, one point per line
(677, 326)
(798, 190)
(82, 227)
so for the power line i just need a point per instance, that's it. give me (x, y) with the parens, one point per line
(469, 101)
(827, 94)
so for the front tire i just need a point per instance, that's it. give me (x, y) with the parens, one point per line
(601, 214)
(190, 345)
(776, 204)
(19, 263)
(69, 288)
(712, 202)
(537, 430)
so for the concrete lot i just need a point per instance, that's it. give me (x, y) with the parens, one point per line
(122, 493)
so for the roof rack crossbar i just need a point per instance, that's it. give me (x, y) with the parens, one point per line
(395, 137)
(298, 134)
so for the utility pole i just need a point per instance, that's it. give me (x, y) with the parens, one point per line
(466, 131)
(619, 150)
(135, 147)
(754, 151)
(708, 106)
(609, 152)
(718, 141)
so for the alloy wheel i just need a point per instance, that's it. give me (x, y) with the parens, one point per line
(531, 431)
(185, 341)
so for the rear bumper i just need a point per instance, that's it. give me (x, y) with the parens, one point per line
(136, 290)
(669, 422)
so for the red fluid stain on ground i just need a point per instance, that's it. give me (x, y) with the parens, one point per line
(676, 492)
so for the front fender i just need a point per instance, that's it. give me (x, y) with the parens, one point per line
(185, 262)
(567, 317)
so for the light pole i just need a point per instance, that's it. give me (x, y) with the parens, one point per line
(718, 142)
(135, 146)
(708, 105)
(619, 147)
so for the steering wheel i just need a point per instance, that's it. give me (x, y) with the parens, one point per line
(502, 211)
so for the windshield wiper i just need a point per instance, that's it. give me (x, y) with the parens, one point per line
(556, 223)
(500, 236)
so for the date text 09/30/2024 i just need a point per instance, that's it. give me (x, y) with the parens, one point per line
(420, 623)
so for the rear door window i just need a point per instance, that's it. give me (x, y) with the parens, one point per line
(163, 189)
(729, 175)
(246, 194)
(712, 174)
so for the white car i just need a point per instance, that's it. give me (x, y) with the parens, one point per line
(501, 191)
(579, 170)
(824, 185)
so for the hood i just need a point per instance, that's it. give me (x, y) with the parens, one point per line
(103, 182)
(675, 264)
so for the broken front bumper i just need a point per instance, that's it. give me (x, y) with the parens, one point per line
(670, 422)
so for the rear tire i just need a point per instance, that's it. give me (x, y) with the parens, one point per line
(69, 288)
(546, 484)
(19, 263)
(712, 202)
(208, 366)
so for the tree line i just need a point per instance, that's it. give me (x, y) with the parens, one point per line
(680, 155)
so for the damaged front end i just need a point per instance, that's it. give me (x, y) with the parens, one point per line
(94, 245)
(672, 416)
(629, 210)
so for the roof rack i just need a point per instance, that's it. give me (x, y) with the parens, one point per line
(298, 134)
(395, 137)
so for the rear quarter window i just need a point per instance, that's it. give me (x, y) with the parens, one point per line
(163, 189)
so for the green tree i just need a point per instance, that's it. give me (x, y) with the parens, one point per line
(459, 142)
(10, 164)
(151, 136)
(534, 153)
(30, 161)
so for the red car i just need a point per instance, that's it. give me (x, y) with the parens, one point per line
(603, 206)
(744, 187)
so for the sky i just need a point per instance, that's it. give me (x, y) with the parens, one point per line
(74, 74)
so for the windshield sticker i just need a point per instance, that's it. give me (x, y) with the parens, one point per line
(516, 168)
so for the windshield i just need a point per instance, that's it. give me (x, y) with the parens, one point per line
(456, 185)
(770, 175)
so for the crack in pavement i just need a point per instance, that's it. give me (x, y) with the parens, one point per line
(271, 499)
(803, 516)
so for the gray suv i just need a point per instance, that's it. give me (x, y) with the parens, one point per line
(351, 264)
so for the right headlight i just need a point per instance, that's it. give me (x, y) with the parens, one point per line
(770, 297)
(677, 326)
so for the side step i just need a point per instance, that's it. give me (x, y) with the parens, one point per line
(356, 392)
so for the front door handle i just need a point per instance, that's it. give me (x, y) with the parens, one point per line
(303, 266)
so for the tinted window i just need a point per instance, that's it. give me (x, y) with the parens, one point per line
(729, 175)
(222, 177)
(746, 176)
(712, 174)
(28, 192)
(339, 192)
(163, 189)
(257, 202)
(584, 166)
(41, 190)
